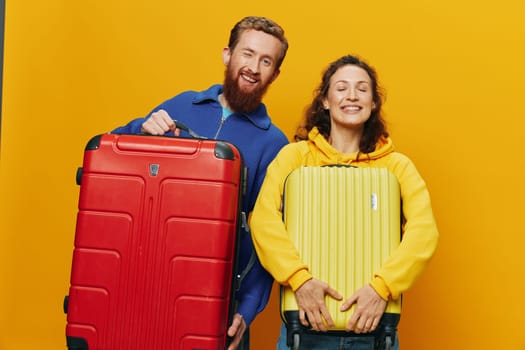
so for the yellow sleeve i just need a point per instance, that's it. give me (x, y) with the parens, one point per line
(276, 252)
(419, 234)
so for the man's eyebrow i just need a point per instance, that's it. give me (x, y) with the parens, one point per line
(247, 49)
(250, 50)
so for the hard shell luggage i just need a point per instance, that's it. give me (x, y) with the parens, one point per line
(156, 244)
(345, 221)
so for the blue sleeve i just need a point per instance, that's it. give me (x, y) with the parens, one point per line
(256, 287)
(254, 292)
(133, 127)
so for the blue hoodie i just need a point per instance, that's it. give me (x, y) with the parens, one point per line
(259, 141)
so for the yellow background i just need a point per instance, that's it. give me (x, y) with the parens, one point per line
(454, 74)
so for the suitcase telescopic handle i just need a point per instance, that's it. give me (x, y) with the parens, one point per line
(339, 166)
(182, 126)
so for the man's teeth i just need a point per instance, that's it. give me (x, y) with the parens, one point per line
(251, 80)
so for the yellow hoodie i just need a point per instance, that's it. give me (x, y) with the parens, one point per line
(277, 252)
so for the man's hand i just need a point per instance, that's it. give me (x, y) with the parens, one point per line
(236, 331)
(368, 311)
(310, 299)
(159, 123)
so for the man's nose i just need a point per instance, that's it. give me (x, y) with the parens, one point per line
(253, 65)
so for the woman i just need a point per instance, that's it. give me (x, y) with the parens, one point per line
(344, 125)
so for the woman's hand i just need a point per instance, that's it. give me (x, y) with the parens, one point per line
(368, 311)
(310, 299)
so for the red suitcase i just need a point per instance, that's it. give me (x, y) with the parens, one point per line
(155, 244)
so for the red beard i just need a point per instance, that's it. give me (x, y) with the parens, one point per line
(238, 100)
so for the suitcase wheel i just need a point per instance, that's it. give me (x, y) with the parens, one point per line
(66, 301)
(79, 176)
(388, 343)
(296, 341)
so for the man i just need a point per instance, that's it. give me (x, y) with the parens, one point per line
(234, 112)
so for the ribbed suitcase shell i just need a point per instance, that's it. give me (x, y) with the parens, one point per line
(344, 221)
(155, 244)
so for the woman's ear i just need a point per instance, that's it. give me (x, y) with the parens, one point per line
(325, 104)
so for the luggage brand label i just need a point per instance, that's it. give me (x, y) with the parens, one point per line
(374, 201)
(154, 169)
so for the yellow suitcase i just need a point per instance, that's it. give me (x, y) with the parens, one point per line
(345, 221)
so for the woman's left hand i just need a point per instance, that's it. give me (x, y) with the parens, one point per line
(368, 311)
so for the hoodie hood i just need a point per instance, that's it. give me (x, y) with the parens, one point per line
(329, 155)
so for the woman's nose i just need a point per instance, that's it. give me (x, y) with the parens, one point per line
(352, 95)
